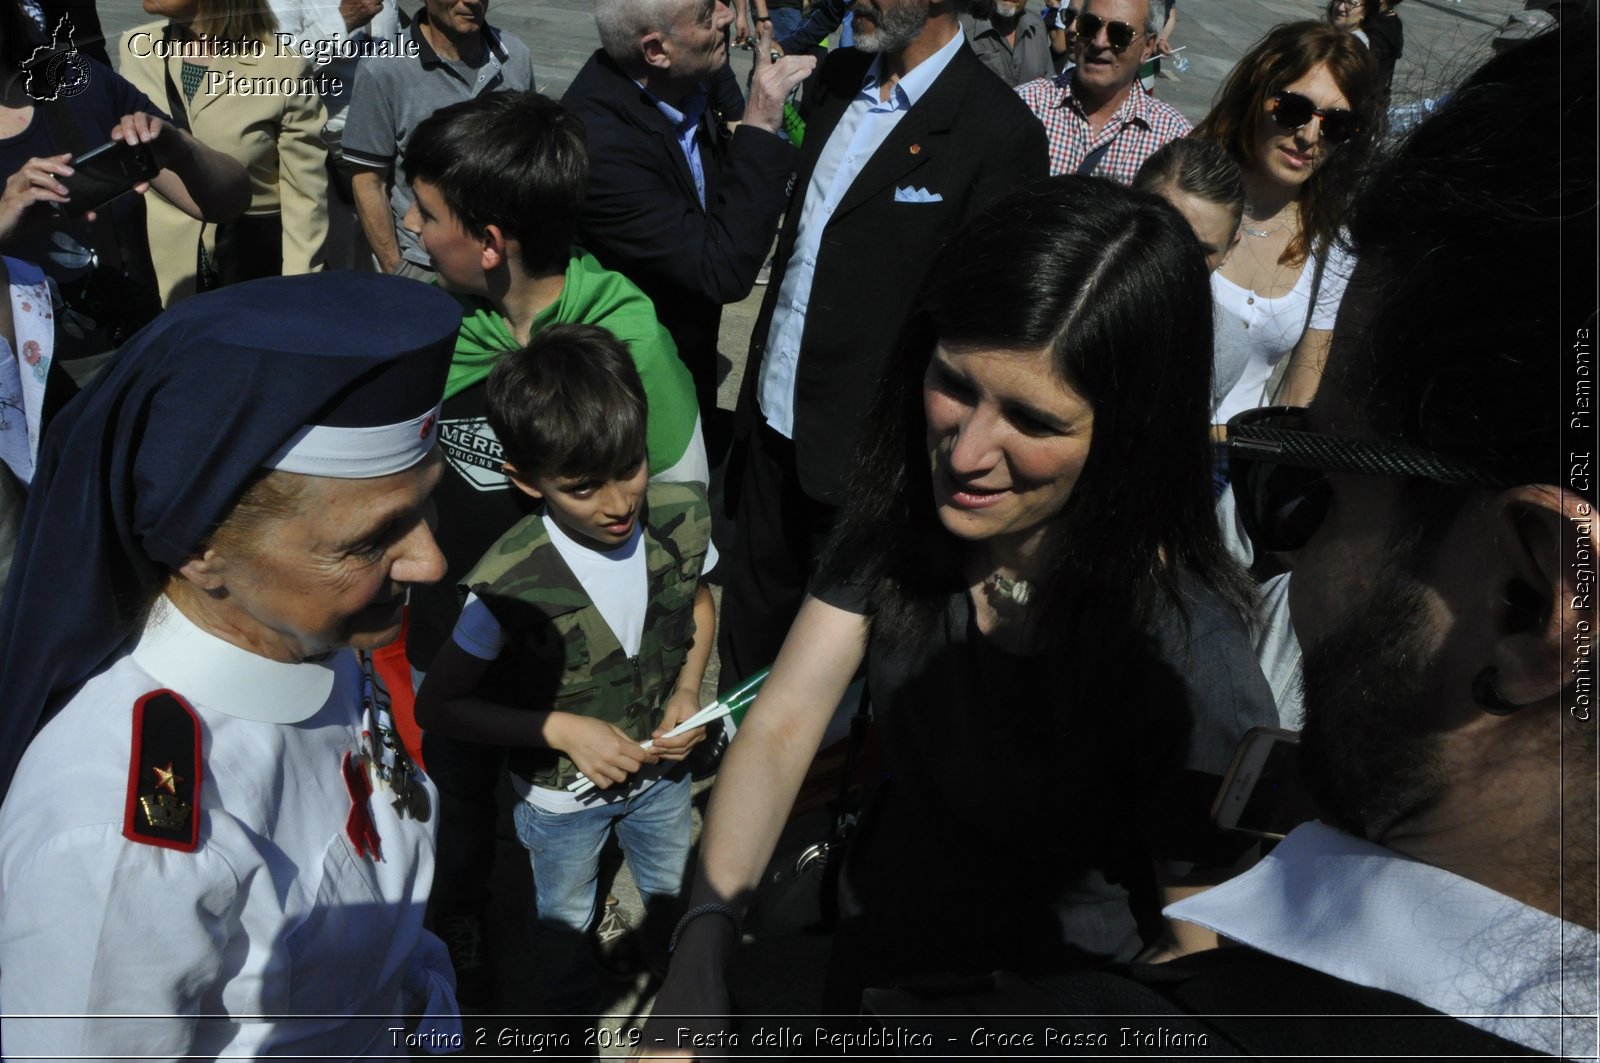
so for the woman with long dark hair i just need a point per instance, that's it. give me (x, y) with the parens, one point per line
(1298, 112)
(1030, 566)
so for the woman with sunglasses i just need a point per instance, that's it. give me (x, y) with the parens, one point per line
(1297, 112)
(1030, 567)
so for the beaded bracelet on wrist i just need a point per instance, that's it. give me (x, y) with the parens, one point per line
(711, 908)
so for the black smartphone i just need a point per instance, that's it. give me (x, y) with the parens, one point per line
(101, 175)
(1262, 793)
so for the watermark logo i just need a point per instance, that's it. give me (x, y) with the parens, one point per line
(56, 71)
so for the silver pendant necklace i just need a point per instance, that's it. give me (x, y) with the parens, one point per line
(1018, 591)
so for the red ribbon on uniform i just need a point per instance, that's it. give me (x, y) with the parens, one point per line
(363, 835)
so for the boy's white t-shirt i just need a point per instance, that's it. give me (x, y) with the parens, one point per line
(618, 583)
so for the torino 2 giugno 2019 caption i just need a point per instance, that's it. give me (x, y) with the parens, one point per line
(798, 1037)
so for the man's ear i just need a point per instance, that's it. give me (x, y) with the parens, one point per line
(520, 482)
(493, 255)
(205, 571)
(656, 49)
(1544, 598)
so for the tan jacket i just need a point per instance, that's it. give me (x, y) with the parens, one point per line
(277, 137)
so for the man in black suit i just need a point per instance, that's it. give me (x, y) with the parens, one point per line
(682, 210)
(908, 136)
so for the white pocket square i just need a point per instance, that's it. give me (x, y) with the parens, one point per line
(909, 194)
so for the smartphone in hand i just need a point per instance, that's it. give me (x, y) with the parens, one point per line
(103, 174)
(1263, 794)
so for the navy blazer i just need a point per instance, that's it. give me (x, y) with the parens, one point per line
(643, 218)
(969, 140)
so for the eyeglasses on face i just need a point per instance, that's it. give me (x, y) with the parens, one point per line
(1120, 34)
(1279, 472)
(1292, 110)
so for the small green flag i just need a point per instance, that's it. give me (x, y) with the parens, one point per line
(795, 127)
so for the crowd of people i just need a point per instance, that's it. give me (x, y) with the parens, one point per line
(362, 455)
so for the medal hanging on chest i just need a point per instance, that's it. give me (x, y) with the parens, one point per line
(385, 751)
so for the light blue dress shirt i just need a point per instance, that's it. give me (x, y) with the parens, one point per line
(863, 127)
(686, 127)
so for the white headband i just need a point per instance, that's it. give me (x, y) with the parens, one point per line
(358, 453)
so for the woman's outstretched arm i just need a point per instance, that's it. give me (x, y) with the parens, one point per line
(755, 789)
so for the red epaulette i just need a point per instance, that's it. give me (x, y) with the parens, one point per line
(164, 774)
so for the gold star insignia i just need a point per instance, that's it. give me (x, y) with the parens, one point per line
(167, 779)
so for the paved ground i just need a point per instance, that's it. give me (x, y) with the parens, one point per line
(1444, 40)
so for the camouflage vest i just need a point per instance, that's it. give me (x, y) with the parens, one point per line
(562, 654)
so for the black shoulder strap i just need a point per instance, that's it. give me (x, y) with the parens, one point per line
(163, 805)
(1091, 160)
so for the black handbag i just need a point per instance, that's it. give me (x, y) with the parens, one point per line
(107, 301)
(246, 248)
(799, 892)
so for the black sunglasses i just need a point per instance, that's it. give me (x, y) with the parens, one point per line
(1120, 34)
(1292, 110)
(1279, 472)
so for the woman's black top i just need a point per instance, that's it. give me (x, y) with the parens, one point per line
(1018, 832)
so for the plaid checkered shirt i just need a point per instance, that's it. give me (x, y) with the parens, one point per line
(1141, 125)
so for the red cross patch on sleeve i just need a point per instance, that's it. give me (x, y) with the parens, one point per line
(164, 772)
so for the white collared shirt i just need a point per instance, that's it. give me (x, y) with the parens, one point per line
(1371, 916)
(275, 913)
(863, 127)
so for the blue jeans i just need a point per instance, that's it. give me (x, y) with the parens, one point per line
(785, 20)
(564, 847)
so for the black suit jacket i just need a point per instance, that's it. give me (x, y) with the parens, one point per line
(643, 219)
(1234, 1002)
(969, 140)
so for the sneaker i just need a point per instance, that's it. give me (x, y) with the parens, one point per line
(465, 936)
(614, 945)
(765, 273)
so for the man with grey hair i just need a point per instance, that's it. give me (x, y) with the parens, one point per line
(1100, 123)
(908, 136)
(684, 211)
(1010, 40)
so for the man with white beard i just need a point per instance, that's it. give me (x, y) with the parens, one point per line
(1010, 40)
(1100, 123)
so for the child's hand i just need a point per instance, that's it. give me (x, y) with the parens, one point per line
(600, 750)
(680, 707)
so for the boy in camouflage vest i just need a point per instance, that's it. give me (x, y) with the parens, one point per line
(585, 632)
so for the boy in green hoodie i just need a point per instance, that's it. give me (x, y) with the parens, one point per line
(498, 182)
